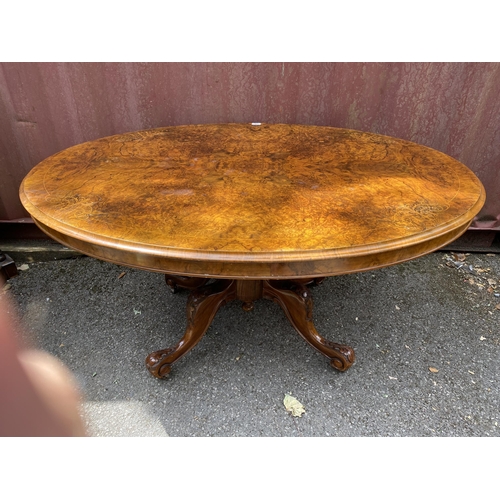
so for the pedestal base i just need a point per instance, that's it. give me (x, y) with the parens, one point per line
(206, 298)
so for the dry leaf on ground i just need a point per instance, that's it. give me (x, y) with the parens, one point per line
(23, 267)
(433, 370)
(293, 406)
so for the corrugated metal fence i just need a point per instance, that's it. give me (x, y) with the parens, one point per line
(452, 107)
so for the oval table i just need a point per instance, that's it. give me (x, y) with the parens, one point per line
(249, 211)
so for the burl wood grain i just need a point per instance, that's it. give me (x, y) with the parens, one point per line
(243, 201)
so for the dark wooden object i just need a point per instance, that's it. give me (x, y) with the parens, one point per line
(264, 210)
(205, 301)
(8, 267)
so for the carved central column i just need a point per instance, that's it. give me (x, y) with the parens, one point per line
(248, 291)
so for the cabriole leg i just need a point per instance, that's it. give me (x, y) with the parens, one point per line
(295, 300)
(203, 303)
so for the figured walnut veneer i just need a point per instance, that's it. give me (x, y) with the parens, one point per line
(265, 209)
(243, 201)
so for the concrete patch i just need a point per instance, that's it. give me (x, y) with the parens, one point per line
(120, 419)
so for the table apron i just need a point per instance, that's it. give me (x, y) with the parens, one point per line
(252, 269)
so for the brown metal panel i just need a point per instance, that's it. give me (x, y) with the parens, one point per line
(453, 107)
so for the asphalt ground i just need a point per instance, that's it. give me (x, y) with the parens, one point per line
(426, 336)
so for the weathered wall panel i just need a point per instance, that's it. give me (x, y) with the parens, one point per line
(453, 107)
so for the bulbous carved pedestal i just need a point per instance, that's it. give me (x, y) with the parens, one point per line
(206, 298)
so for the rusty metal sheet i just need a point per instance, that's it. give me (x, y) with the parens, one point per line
(452, 107)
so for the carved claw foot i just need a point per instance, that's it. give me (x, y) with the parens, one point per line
(344, 357)
(203, 303)
(157, 363)
(294, 299)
